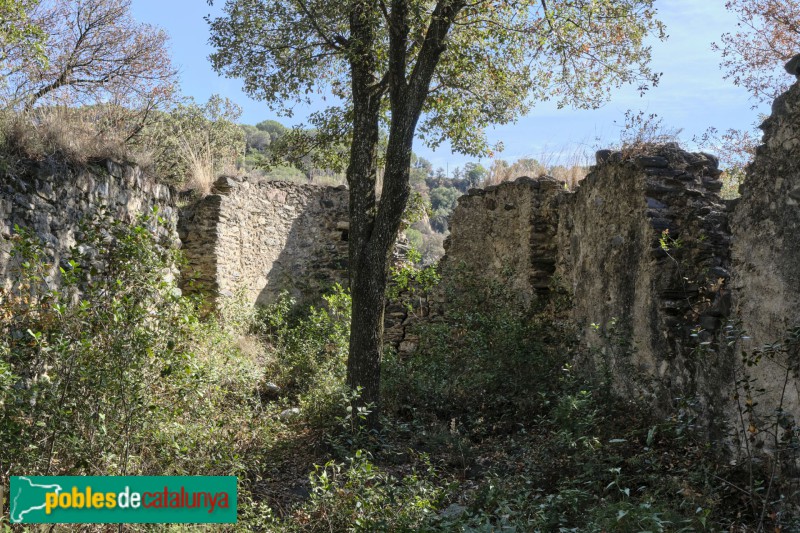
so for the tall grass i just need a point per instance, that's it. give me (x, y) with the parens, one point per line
(77, 135)
(569, 165)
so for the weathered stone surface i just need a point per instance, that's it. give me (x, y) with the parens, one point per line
(265, 237)
(514, 247)
(652, 305)
(766, 248)
(793, 66)
(52, 198)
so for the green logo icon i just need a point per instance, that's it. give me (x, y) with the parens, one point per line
(122, 499)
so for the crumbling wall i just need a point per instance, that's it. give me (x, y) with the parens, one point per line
(52, 198)
(644, 250)
(766, 255)
(265, 237)
(642, 247)
(663, 273)
(506, 235)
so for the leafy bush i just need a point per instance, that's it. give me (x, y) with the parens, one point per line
(192, 143)
(483, 364)
(309, 352)
(494, 396)
(112, 372)
(88, 355)
(444, 198)
(358, 496)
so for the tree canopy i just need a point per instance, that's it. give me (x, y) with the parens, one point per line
(768, 35)
(96, 53)
(18, 32)
(499, 56)
(443, 69)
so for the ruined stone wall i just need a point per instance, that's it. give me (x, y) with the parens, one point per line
(505, 234)
(52, 198)
(651, 315)
(766, 252)
(644, 250)
(657, 265)
(265, 237)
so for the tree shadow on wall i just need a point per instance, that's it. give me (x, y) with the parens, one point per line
(304, 245)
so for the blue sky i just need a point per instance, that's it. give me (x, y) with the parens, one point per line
(692, 94)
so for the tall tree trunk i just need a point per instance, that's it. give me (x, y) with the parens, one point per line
(363, 364)
(367, 277)
(372, 249)
(373, 229)
(366, 326)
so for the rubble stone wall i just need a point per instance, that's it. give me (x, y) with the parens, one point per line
(661, 271)
(766, 255)
(264, 237)
(647, 310)
(644, 249)
(664, 275)
(52, 198)
(508, 234)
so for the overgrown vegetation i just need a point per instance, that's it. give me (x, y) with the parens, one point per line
(487, 426)
(110, 371)
(106, 368)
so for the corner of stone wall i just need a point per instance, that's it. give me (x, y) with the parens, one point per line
(262, 238)
(503, 236)
(651, 314)
(644, 244)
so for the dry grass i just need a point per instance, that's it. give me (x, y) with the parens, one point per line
(200, 161)
(77, 136)
(82, 135)
(568, 165)
(294, 175)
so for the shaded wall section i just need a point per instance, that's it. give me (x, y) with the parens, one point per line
(52, 198)
(642, 247)
(644, 250)
(264, 237)
(506, 234)
(766, 252)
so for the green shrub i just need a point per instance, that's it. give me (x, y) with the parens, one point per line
(88, 355)
(112, 372)
(485, 365)
(309, 353)
(358, 496)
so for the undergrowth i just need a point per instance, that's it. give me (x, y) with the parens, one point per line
(106, 369)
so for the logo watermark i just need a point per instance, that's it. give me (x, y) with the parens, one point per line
(122, 499)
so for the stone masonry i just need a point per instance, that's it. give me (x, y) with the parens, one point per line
(647, 310)
(661, 271)
(766, 256)
(264, 237)
(52, 198)
(507, 232)
(644, 248)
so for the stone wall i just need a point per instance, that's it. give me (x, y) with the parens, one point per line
(264, 237)
(507, 232)
(644, 250)
(647, 311)
(658, 266)
(52, 198)
(766, 252)
(662, 272)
